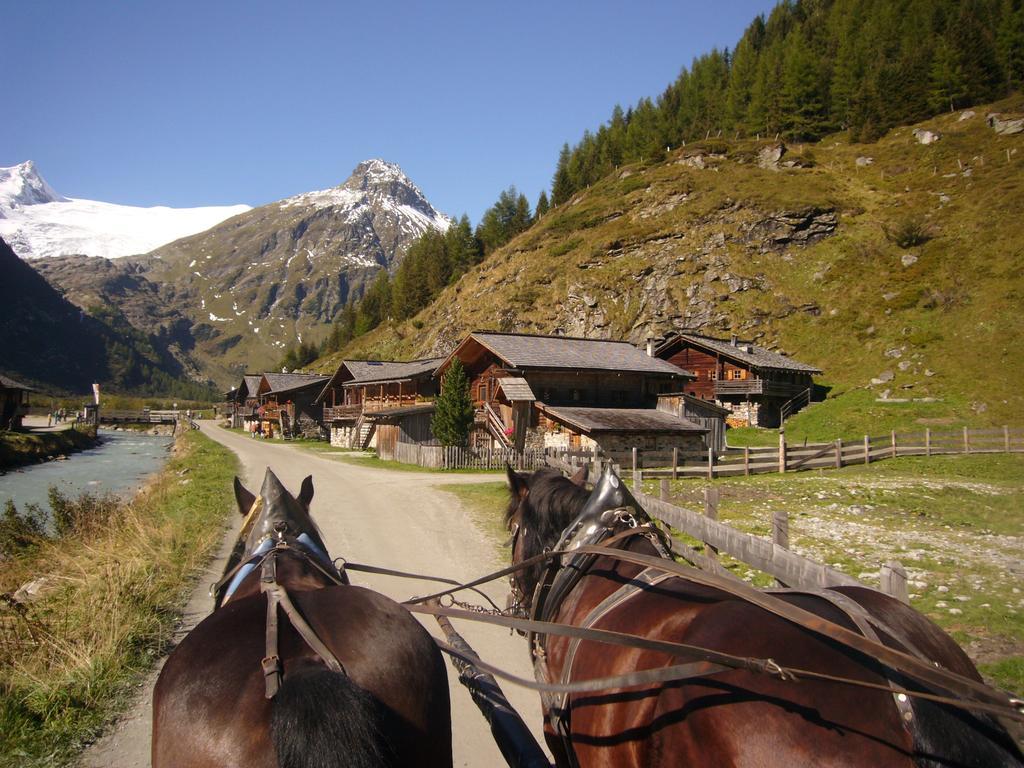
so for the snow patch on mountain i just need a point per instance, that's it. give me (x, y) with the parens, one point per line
(36, 221)
(376, 187)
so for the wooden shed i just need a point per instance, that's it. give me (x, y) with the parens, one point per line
(698, 411)
(13, 402)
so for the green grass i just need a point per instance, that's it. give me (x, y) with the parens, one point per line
(486, 503)
(109, 607)
(18, 448)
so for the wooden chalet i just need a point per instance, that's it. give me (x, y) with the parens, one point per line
(361, 392)
(13, 402)
(288, 400)
(758, 386)
(241, 402)
(523, 386)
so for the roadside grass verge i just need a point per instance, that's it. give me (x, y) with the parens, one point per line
(486, 503)
(18, 448)
(108, 599)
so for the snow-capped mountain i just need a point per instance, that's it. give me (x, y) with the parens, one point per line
(254, 285)
(37, 222)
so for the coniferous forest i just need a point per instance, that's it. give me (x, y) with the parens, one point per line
(811, 68)
(815, 67)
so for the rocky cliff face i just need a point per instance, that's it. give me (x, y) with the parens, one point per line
(234, 297)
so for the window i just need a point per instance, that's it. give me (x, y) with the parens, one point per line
(713, 374)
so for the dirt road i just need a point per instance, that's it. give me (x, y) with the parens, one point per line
(400, 520)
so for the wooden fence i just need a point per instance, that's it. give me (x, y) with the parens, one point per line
(455, 457)
(772, 556)
(839, 453)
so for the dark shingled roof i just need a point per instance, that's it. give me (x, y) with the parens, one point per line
(595, 420)
(743, 351)
(250, 383)
(287, 382)
(6, 383)
(528, 351)
(381, 371)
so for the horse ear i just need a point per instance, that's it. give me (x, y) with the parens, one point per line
(243, 497)
(516, 484)
(306, 491)
(580, 478)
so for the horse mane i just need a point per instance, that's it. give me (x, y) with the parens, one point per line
(553, 501)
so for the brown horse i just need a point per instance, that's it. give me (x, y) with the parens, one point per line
(296, 667)
(734, 717)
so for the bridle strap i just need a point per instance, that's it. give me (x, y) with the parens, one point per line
(278, 597)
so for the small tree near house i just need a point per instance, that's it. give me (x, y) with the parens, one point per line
(453, 413)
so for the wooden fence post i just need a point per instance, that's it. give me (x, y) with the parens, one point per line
(782, 451)
(711, 464)
(928, 441)
(746, 460)
(675, 462)
(895, 451)
(1006, 438)
(967, 442)
(636, 469)
(711, 512)
(663, 489)
(839, 454)
(867, 449)
(893, 580)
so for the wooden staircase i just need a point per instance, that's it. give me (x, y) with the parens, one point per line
(496, 426)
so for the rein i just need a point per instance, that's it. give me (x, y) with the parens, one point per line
(973, 695)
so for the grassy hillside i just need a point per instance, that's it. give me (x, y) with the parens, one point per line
(865, 259)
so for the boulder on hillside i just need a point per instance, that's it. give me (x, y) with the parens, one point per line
(768, 157)
(1006, 125)
(926, 137)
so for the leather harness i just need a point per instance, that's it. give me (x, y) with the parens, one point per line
(277, 595)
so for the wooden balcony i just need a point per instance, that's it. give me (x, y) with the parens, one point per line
(372, 405)
(342, 412)
(758, 387)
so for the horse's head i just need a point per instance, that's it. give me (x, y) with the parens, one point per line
(271, 517)
(541, 506)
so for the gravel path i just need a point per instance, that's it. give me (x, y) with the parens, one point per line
(400, 520)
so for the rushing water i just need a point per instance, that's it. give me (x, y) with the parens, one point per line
(119, 465)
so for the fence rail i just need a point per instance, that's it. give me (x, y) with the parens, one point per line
(839, 453)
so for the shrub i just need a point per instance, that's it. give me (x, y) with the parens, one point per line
(21, 533)
(908, 232)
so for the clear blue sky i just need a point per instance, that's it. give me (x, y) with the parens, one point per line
(210, 102)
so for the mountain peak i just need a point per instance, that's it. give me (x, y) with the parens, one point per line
(22, 185)
(377, 171)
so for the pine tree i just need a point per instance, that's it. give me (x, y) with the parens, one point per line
(453, 411)
(561, 186)
(947, 84)
(542, 204)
